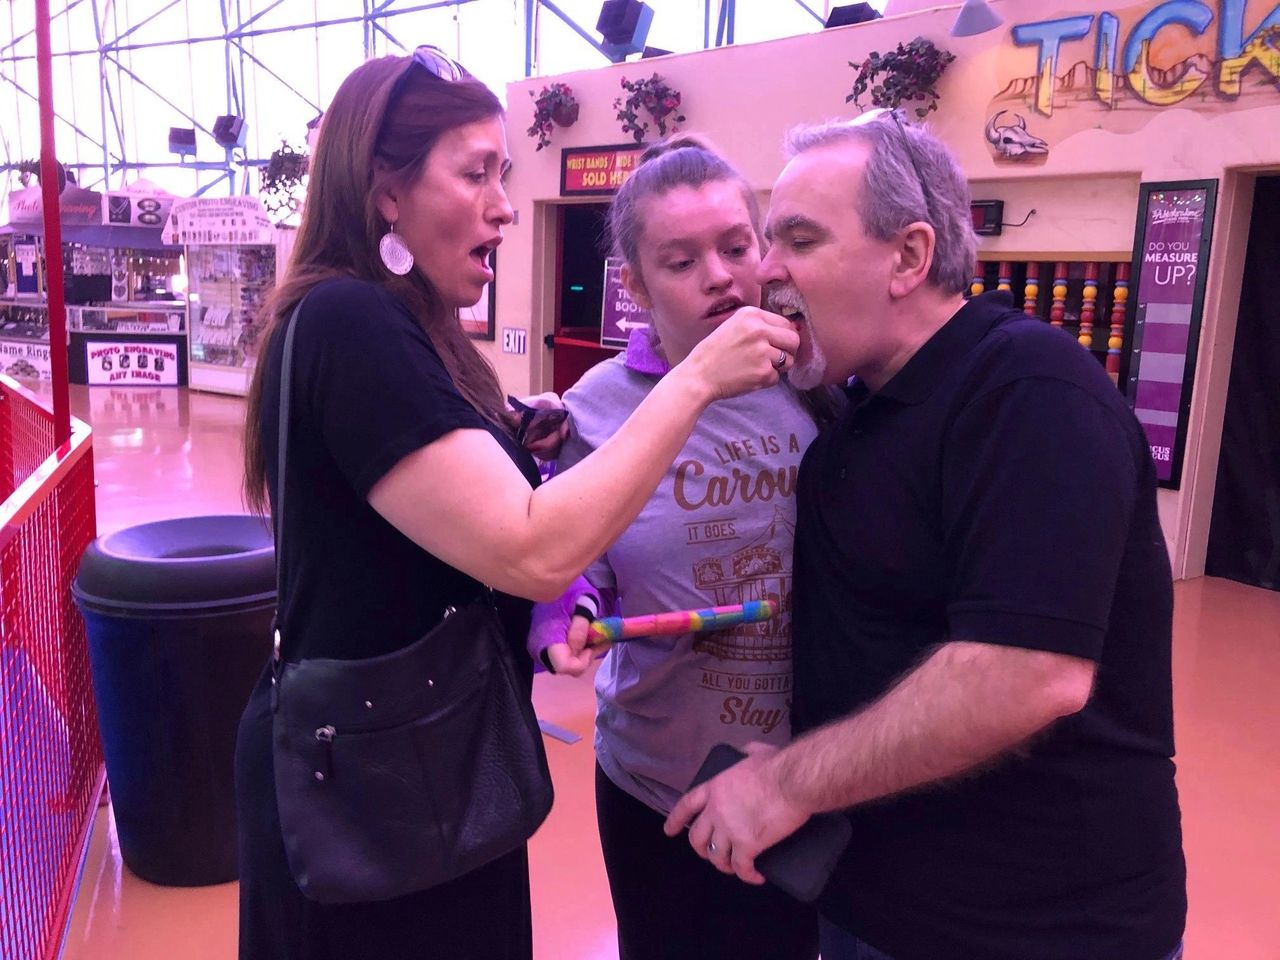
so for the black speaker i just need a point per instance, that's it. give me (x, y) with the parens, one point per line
(618, 20)
(182, 140)
(230, 132)
(850, 13)
(624, 25)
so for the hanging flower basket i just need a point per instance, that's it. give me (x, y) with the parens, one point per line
(554, 106)
(282, 186)
(27, 169)
(656, 98)
(906, 75)
(565, 114)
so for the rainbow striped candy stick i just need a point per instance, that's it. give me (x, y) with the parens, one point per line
(613, 629)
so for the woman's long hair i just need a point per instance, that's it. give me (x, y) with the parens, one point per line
(377, 133)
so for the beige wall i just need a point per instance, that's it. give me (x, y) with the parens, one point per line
(744, 98)
(1075, 217)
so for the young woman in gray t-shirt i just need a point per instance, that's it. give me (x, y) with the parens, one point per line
(718, 530)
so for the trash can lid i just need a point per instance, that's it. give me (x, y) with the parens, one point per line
(179, 565)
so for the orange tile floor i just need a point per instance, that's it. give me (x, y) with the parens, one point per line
(168, 452)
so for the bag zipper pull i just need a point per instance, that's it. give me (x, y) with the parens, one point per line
(326, 735)
(276, 665)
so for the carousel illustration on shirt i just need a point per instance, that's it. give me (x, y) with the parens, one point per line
(748, 667)
(753, 572)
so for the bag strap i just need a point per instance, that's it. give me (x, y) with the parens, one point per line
(286, 385)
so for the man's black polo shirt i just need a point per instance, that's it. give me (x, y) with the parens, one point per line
(998, 489)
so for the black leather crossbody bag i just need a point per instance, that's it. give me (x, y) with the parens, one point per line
(400, 772)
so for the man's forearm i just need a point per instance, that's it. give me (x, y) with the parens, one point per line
(963, 707)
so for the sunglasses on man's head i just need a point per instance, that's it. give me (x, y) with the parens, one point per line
(876, 114)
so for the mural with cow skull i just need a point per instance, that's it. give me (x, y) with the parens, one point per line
(1012, 141)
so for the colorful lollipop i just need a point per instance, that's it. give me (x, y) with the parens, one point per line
(613, 629)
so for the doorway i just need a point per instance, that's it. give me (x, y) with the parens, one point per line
(582, 242)
(1244, 532)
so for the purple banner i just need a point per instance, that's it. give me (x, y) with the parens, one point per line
(619, 314)
(1173, 232)
(1171, 246)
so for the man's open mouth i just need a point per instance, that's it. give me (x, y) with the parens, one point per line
(794, 314)
(787, 302)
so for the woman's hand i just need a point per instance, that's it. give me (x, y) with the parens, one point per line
(541, 424)
(750, 350)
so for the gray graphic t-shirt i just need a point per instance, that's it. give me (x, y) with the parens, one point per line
(719, 530)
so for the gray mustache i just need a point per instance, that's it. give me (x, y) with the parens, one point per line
(787, 298)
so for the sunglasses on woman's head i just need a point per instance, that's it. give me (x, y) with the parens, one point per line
(437, 63)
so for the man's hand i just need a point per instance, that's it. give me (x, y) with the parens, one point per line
(741, 812)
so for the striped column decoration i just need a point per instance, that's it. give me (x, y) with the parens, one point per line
(979, 283)
(1089, 305)
(1059, 308)
(1005, 275)
(1119, 303)
(1031, 291)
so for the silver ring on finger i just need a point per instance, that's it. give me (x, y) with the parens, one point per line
(781, 361)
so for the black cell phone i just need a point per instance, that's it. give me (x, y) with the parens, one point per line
(535, 423)
(800, 864)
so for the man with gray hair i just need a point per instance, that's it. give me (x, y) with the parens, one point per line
(983, 601)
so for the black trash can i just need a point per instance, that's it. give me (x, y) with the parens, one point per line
(179, 624)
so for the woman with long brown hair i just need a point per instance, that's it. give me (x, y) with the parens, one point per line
(406, 493)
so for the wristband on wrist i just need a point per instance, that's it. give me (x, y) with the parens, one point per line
(586, 606)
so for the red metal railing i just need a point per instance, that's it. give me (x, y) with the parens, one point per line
(51, 768)
(26, 437)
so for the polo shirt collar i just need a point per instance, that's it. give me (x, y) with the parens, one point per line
(642, 357)
(930, 365)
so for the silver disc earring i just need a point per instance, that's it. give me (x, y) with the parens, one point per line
(395, 253)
